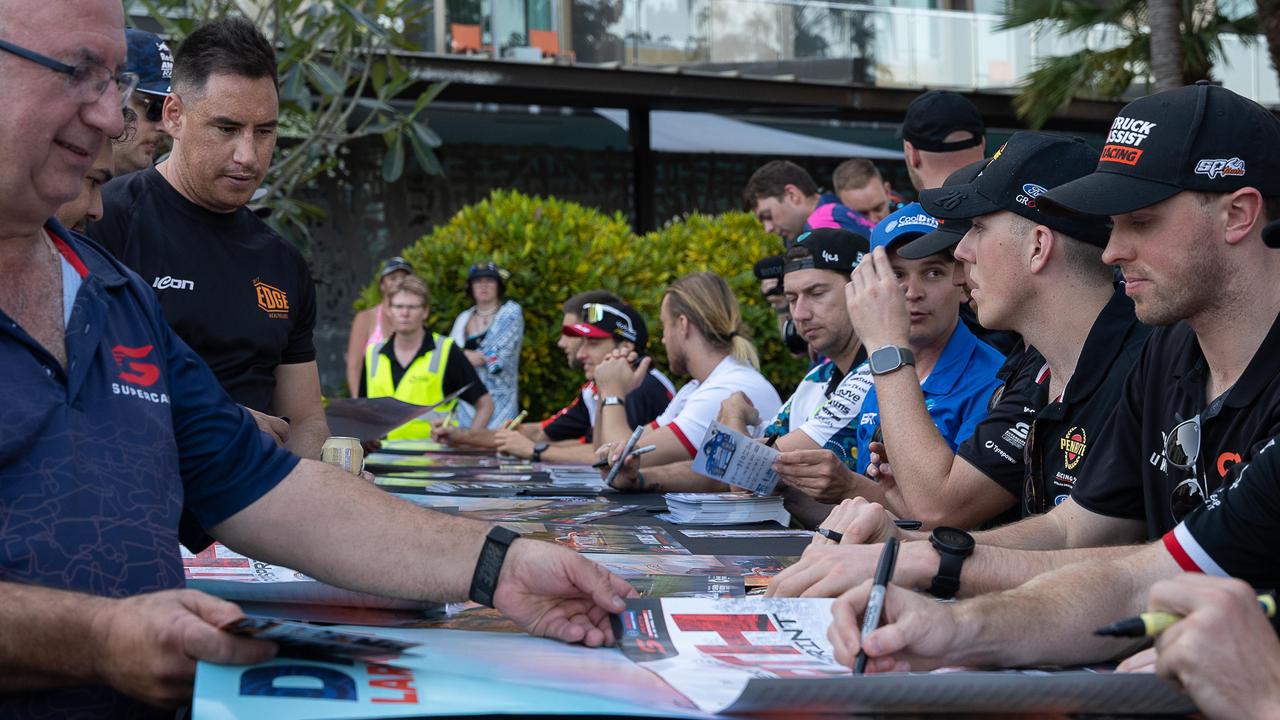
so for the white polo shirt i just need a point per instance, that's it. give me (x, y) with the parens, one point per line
(698, 403)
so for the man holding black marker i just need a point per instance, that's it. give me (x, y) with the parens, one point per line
(1189, 177)
(1026, 455)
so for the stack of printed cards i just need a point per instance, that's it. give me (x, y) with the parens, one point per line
(723, 509)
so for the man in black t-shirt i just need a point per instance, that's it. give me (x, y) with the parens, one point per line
(1039, 425)
(236, 292)
(1204, 394)
(1189, 176)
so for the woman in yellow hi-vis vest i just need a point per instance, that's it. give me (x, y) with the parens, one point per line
(418, 366)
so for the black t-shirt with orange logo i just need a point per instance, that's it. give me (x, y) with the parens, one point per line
(1126, 472)
(237, 293)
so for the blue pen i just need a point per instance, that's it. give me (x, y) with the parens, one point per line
(875, 603)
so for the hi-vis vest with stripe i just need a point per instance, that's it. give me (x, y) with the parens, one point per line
(422, 384)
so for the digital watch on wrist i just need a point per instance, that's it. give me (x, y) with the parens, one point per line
(484, 581)
(890, 358)
(954, 546)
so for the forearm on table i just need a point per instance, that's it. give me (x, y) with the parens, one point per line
(386, 546)
(992, 569)
(46, 637)
(679, 477)
(1050, 620)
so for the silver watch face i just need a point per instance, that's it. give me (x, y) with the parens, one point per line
(885, 359)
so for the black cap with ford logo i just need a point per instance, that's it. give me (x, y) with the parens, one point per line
(1017, 178)
(1200, 137)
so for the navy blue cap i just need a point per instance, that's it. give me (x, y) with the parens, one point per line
(150, 58)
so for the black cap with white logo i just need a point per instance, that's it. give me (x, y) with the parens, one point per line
(934, 115)
(1016, 178)
(1200, 137)
(949, 232)
(829, 249)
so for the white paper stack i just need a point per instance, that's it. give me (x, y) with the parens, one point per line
(723, 509)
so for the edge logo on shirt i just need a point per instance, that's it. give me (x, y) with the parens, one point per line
(272, 300)
(135, 373)
(1073, 445)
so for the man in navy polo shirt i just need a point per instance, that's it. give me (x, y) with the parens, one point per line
(1189, 176)
(111, 428)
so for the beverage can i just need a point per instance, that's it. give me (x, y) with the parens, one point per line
(344, 452)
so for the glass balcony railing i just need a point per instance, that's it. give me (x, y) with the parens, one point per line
(855, 42)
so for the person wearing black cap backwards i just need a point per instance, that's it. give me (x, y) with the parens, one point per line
(941, 133)
(1038, 274)
(1189, 177)
(491, 333)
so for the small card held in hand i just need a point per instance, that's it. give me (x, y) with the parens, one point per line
(298, 639)
(729, 456)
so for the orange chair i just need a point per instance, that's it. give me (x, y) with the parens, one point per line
(465, 40)
(548, 41)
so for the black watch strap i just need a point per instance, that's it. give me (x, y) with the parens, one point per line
(484, 582)
(538, 449)
(947, 582)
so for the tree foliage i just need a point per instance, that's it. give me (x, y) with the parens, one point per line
(1109, 69)
(555, 249)
(339, 81)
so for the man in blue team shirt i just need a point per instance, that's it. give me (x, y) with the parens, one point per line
(111, 428)
(930, 348)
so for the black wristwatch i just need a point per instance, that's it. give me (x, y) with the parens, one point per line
(890, 358)
(538, 449)
(954, 546)
(484, 581)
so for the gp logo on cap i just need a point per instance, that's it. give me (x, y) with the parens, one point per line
(1217, 167)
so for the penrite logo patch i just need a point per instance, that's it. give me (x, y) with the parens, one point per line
(1220, 168)
(1073, 445)
(272, 300)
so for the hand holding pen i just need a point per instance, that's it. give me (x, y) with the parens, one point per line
(875, 602)
(627, 449)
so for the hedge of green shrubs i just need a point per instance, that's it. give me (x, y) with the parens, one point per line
(555, 248)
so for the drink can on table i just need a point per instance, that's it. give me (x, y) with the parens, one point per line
(344, 452)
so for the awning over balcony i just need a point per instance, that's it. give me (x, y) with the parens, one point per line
(697, 132)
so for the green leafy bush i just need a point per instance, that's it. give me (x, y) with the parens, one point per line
(555, 248)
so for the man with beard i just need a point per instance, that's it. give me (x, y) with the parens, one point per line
(704, 336)
(1189, 177)
(236, 292)
(818, 419)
